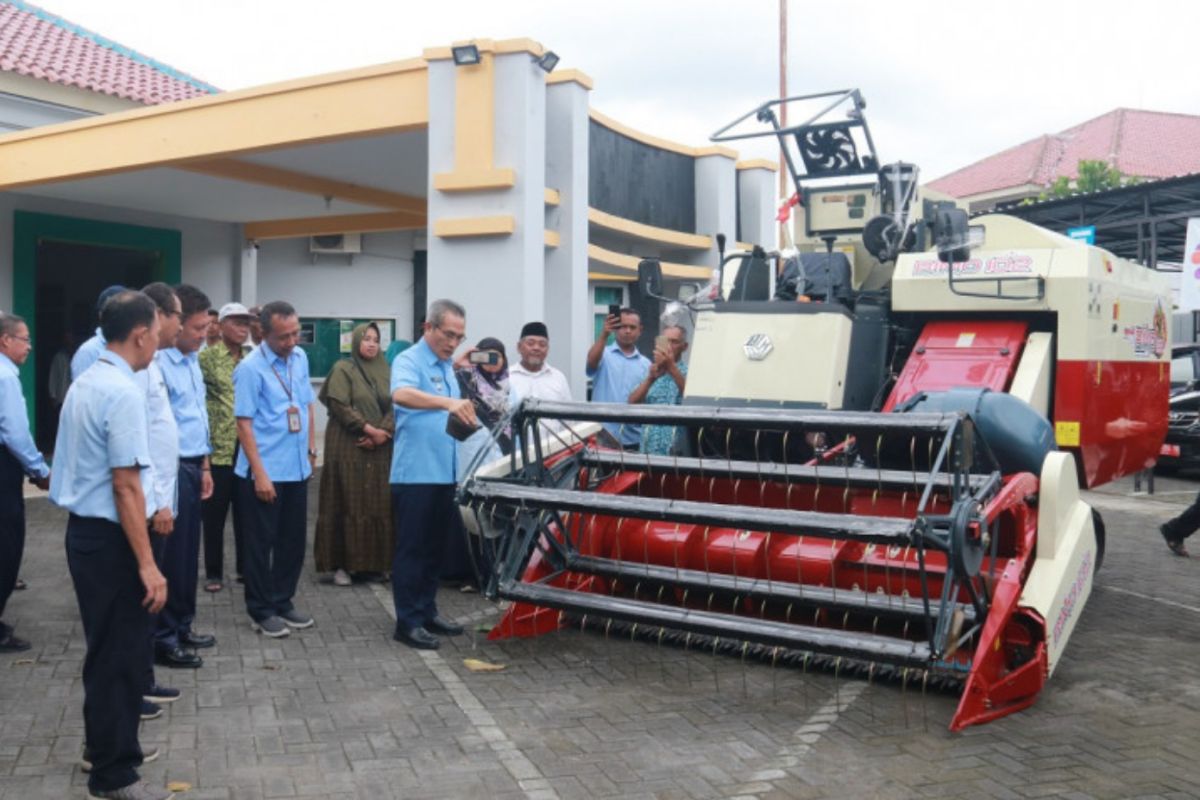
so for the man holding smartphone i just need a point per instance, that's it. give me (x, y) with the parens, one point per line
(617, 369)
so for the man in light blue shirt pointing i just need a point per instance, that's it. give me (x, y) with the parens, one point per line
(19, 457)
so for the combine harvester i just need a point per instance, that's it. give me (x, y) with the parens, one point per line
(884, 479)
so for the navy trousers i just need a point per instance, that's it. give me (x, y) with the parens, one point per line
(215, 512)
(179, 560)
(273, 549)
(12, 529)
(117, 630)
(425, 516)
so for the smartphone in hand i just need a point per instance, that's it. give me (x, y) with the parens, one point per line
(489, 357)
(614, 310)
(662, 343)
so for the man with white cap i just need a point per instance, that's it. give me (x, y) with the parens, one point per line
(216, 365)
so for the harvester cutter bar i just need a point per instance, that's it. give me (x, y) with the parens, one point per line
(849, 644)
(782, 419)
(858, 528)
(851, 600)
(720, 468)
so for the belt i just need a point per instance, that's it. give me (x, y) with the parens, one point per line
(191, 459)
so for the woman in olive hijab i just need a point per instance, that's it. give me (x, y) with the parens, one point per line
(354, 525)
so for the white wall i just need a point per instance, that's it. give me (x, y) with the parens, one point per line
(377, 282)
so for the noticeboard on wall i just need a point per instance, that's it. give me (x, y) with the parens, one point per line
(327, 339)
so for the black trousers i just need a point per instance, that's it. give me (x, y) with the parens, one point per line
(1181, 527)
(273, 549)
(12, 529)
(117, 629)
(425, 517)
(179, 560)
(215, 510)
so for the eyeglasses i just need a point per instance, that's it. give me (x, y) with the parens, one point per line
(451, 335)
(24, 339)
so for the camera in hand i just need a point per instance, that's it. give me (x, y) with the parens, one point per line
(489, 357)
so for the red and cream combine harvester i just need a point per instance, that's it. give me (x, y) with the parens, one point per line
(882, 480)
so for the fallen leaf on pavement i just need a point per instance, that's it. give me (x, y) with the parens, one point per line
(475, 665)
(178, 786)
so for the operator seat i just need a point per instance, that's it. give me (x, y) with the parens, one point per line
(823, 277)
(753, 279)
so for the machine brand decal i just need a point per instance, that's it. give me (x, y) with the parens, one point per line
(1067, 434)
(1012, 263)
(758, 347)
(1149, 341)
(1071, 600)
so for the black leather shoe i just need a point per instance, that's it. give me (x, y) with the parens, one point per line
(417, 637)
(444, 626)
(13, 644)
(177, 658)
(197, 640)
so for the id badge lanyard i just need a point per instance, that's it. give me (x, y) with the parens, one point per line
(293, 413)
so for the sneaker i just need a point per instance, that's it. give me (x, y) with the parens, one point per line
(134, 791)
(296, 619)
(151, 710)
(273, 627)
(342, 578)
(161, 695)
(148, 754)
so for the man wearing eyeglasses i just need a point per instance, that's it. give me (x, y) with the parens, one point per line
(426, 394)
(19, 457)
(617, 369)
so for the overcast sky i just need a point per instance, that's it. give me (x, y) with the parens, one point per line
(946, 83)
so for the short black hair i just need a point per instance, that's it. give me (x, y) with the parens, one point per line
(212, 312)
(9, 324)
(192, 300)
(275, 308)
(633, 311)
(162, 295)
(125, 311)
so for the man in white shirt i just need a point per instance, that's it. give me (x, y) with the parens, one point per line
(533, 377)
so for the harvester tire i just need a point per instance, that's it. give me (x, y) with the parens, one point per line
(1098, 526)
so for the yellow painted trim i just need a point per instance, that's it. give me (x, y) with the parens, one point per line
(481, 180)
(743, 245)
(692, 241)
(627, 262)
(757, 163)
(570, 76)
(553, 198)
(328, 107)
(503, 46)
(552, 239)
(661, 144)
(320, 226)
(604, 276)
(264, 175)
(474, 115)
(503, 225)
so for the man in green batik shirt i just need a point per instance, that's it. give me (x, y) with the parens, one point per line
(216, 365)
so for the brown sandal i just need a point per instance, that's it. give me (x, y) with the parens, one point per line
(213, 586)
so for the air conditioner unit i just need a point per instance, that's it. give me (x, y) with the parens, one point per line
(335, 244)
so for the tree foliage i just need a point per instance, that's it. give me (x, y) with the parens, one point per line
(1094, 176)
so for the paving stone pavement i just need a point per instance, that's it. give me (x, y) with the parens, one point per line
(341, 711)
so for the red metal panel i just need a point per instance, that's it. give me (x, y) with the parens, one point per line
(1112, 415)
(952, 354)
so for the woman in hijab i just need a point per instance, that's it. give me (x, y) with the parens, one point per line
(482, 374)
(354, 525)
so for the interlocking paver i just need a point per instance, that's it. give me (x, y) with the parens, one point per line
(339, 711)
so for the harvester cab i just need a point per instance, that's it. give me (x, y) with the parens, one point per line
(878, 453)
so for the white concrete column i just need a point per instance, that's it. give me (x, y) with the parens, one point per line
(567, 305)
(716, 198)
(756, 189)
(246, 278)
(486, 239)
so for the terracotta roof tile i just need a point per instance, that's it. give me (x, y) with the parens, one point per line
(38, 44)
(1148, 144)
